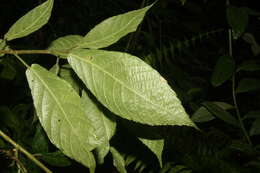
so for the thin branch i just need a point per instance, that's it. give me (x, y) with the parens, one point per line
(29, 155)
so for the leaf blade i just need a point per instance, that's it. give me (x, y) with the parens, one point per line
(112, 29)
(31, 21)
(62, 116)
(105, 71)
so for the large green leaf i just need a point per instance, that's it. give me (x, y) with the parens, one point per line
(62, 116)
(104, 126)
(30, 22)
(64, 44)
(223, 70)
(112, 29)
(118, 160)
(129, 87)
(155, 145)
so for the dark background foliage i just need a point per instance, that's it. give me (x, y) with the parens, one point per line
(182, 42)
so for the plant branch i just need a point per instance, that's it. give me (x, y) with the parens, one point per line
(29, 155)
(50, 52)
(234, 92)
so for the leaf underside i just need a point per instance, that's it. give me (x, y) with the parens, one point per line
(30, 22)
(129, 87)
(61, 114)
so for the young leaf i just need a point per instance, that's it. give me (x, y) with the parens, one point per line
(40, 142)
(61, 114)
(249, 66)
(65, 43)
(238, 26)
(2, 46)
(155, 145)
(255, 129)
(221, 113)
(104, 127)
(223, 70)
(112, 29)
(129, 87)
(30, 22)
(248, 84)
(118, 160)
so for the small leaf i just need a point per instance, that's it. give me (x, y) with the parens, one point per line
(248, 84)
(255, 128)
(118, 160)
(112, 29)
(223, 70)
(221, 113)
(155, 145)
(62, 116)
(65, 44)
(238, 26)
(104, 127)
(56, 159)
(202, 115)
(225, 106)
(30, 22)
(129, 87)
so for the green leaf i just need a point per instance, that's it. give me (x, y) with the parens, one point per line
(56, 159)
(255, 128)
(238, 26)
(40, 143)
(62, 116)
(248, 84)
(118, 160)
(221, 113)
(129, 87)
(30, 22)
(112, 29)
(224, 105)
(252, 114)
(104, 126)
(64, 44)
(223, 70)
(249, 66)
(8, 71)
(155, 145)
(202, 115)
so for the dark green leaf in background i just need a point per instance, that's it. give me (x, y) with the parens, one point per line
(223, 70)
(247, 85)
(56, 159)
(30, 22)
(40, 142)
(255, 128)
(237, 18)
(221, 113)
